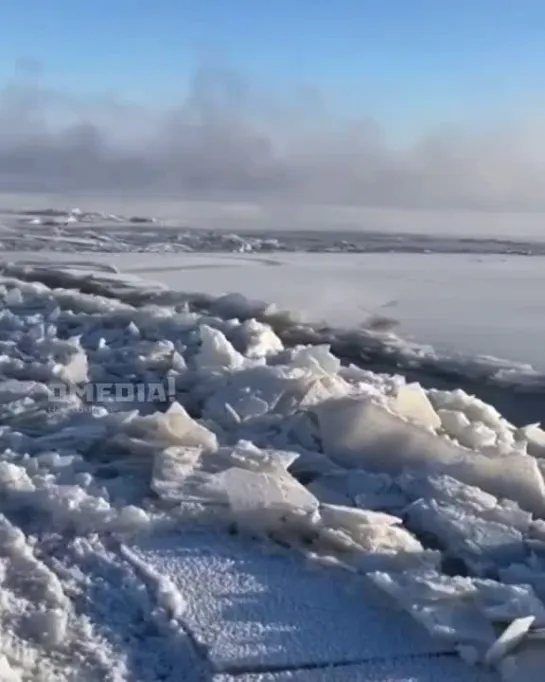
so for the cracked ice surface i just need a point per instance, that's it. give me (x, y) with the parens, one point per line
(264, 512)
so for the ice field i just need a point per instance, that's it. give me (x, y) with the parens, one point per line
(198, 485)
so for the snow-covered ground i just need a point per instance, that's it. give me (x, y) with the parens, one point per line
(193, 486)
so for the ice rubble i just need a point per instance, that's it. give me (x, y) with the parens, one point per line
(359, 432)
(348, 467)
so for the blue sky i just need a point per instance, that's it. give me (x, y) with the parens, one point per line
(411, 63)
(447, 96)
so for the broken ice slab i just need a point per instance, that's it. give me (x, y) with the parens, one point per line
(256, 391)
(260, 500)
(173, 475)
(216, 352)
(76, 369)
(257, 339)
(256, 607)
(509, 639)
(411, 402)
(317, 359)
(466, 611)
(311, 465)
(247, 456)
(378, 492)
(359, 433)
(481, 543)
(467, 498)
(454, 422)
(174, 427)
(353, 518)
(534, 435)
(368, 541)
(525, 574)
(189, 473)
(444, 605)
(475, 410)
(478, 436)
(503, 603)
(324, 388)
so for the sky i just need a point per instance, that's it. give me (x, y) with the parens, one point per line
(409, 103)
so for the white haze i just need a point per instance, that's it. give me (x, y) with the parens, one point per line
(228, 142)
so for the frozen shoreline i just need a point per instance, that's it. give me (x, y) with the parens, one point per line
(348, 467)
(208, 529)
(516, 389)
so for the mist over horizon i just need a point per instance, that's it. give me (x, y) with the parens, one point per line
(230, 142)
